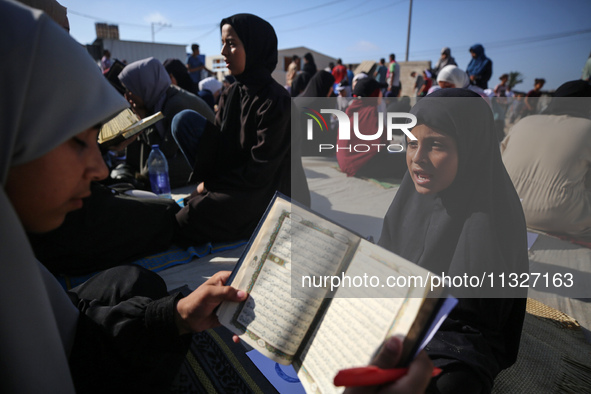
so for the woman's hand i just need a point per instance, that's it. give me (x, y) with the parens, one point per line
(137, 104)
(415, 381)
(195, 312)
(199, 190)
(121, 146)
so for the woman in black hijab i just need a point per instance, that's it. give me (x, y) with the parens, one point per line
(314, 96)
(457, 213)
(319, 86)
(303, 79)
(245, 157)
(178, 70)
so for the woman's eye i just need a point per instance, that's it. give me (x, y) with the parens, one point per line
(79, 142)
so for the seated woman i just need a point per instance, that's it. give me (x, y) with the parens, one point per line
(241, 160)
(120, 332)
(548, 158)
(457, 213)
(149, 90)
(376, 161)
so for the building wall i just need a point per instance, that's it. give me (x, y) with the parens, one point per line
(283, 59)
(131, 51)
(406, 80)
(285, 56)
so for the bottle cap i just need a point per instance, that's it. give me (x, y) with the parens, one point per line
(155, 146)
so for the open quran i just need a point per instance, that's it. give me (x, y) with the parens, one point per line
(295, 313)
(123, 126)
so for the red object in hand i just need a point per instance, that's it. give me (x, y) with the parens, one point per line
(371, 376)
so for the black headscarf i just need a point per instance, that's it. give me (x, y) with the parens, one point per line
(309, 66)
(260, 47)
(319, 85)
(567, 99)
(260, 44)
(181, 74)
(367, 87)
(474, 226)
(302, 79)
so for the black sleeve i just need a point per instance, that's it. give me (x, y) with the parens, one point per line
(478, 340)
(126, 340)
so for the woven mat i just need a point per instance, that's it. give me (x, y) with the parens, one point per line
(554, 356)
(214, 364)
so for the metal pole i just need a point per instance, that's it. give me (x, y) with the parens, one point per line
(408, 32)
(162, 26)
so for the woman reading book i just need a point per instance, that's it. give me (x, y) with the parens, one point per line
(149, 90)
(121, 331)
(241, 160)
(457, 212)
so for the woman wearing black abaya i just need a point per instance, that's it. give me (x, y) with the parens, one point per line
(314, 96)
(457, 212)
(319, 86)
(303, 79)
(245, 157)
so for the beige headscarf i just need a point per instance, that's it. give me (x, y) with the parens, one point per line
(51, 90)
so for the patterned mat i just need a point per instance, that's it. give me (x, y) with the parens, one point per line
(554, 356)
(215, 364)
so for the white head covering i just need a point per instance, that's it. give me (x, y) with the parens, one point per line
(359, 76)
(51, 91)
(211, 84)
(453, 74)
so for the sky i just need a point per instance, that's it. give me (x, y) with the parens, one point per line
(548, 39)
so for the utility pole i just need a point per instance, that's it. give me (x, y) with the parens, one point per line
(408, 32)
(162, 26)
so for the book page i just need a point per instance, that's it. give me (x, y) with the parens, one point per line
(272, 320)
(353, 328)
(140, 125)
(113, 127)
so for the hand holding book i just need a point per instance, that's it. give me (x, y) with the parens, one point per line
(316, 329)
(123, 127)
(413, 379)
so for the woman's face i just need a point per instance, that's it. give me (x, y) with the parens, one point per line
(432, 160)
(233, 50)
(44, 190)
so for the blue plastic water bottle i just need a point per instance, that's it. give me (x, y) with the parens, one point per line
(158, 171)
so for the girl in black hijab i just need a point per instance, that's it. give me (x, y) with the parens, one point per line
(319, 86)
(314, 96)
(308, 72)
(245, 157)
(457, 213)
(178, 70)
